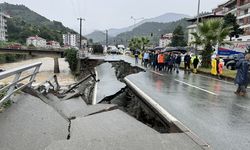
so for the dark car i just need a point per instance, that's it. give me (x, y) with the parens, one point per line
(230, 61)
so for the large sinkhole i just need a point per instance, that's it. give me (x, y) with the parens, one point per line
(126, 99)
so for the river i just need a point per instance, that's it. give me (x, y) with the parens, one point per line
(47, 70)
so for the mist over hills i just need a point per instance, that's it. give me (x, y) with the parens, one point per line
(142, 27)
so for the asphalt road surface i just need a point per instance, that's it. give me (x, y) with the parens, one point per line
(207, 106)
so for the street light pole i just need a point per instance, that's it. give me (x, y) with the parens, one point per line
(198, 20)
(198, 12)
(81, 19)
(135, 20)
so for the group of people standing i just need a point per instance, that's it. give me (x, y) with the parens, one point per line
(161, 61)
(169, 61)
(165, 61)
(217, 66)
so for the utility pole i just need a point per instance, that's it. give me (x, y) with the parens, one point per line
(81, 19)
(107, 39)
(135, 20)
(198, 12)
(198, 20)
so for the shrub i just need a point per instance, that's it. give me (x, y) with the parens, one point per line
(71, 58)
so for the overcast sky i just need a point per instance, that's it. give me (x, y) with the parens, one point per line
(105, 14)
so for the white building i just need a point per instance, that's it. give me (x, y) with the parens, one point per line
(165, 40)
(70, 40)
(53, 44)
(193, 27)
(36, 41)
(241, 9)
(3, 26)
(84, 41)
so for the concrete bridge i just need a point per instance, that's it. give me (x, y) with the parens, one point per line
(38, 52)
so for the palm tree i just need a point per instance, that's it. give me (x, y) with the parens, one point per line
(139, 43)
(210, 33)
(144, 41)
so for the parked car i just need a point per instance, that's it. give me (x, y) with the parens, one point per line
(113, 50)
(230, 61)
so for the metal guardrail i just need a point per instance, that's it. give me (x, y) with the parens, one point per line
(17, 72)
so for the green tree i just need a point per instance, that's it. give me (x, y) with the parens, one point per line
(210, 33)
(139, 43)
(144, 42)
(178, 37)
(230, 20)
(134, 43)
(71, 58)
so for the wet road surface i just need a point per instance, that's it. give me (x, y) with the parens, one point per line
(205, 105)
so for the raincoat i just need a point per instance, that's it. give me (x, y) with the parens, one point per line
(160, 58)
(214, 67)
(217, 67)
(242, 67)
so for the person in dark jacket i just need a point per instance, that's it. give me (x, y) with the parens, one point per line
(178, 62)
(187, 61)
(170, 63)
(195, 63)
(242, 78)
(136, 54)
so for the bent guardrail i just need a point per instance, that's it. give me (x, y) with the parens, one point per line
(17, 72)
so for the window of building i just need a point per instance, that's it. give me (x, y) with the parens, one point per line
(245, 11)
(241, 21)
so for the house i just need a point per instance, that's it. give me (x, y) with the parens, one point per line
(36, 41)
(53, 44)
(165, 40)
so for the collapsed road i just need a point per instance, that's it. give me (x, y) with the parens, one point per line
(104, 110)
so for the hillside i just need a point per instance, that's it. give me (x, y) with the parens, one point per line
(147, 29)
(145, 24)
(165, 18)
(97, 36)
(25, 22)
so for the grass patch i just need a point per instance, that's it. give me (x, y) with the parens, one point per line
(225, 73)
(7, 104)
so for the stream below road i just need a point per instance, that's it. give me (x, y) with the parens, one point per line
(47, 70)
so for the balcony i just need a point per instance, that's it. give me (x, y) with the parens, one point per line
(244, 5)
(244, 15)
(232, 11)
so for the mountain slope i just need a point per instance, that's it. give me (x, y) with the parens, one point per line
(153, 30)
(97, 36)
(165, 18)
(25, 22)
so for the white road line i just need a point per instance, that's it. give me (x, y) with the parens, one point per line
(214, 79)
(196, 87)
(95, 89)
(156, 73)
